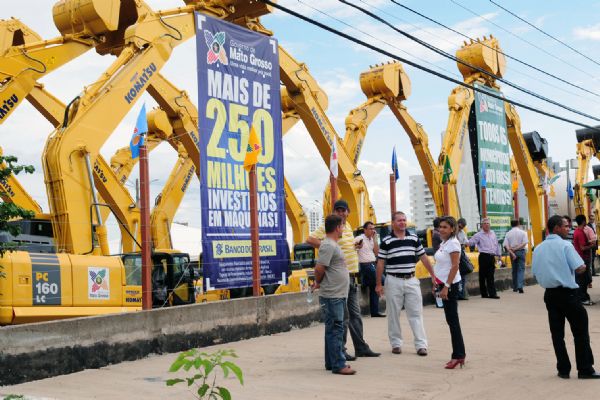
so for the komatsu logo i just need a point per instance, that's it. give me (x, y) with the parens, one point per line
(8, 105)
(186, 182)
(140, 80)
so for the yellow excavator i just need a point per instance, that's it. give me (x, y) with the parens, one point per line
(306, 99)
(588, 145)
(78, 280)
(388, 84)
(487, 55)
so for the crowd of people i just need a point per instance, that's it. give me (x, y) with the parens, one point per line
(387, 269)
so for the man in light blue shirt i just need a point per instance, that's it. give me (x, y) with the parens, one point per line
(555, 263)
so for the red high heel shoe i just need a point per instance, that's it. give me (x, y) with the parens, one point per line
(454, 362)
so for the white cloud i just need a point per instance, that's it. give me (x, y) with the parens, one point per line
(588, 32)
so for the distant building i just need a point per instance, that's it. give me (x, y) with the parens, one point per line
(421, 202)
(315, 218)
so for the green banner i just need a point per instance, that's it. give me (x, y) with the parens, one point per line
(494, 159)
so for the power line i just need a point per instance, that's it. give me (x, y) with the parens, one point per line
(376, 38)
(504, 54)
(420, 67)
(523, 40)
(545, 33)
(452, 57)
(564, 90)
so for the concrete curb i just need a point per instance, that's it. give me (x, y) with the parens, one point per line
(42, 350)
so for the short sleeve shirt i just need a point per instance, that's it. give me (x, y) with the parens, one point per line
(554, 263)
(443, 260)
(400, 255)
(335, 283)
(580, 240)
(366, 254)
(346, 242)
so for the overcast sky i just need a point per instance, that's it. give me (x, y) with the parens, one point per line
(336, 64)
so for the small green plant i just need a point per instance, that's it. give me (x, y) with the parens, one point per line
(204, 365)
(14, 397)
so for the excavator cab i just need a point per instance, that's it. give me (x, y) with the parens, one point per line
(537, 146)
(589, 134)
(172, 277)
(35, 236)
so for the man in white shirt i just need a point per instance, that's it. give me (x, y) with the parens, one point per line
(515, 242)
(366, 259)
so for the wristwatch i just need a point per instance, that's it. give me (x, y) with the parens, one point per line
(447, 285)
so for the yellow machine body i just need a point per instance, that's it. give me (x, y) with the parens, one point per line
(42, 286)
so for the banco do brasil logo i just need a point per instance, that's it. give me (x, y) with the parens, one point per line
(216, 49)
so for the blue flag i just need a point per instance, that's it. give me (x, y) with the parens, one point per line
(570, 192)
(141, 127)
(395, 165)
(483, 176)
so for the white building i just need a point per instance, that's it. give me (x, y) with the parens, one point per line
(422, 208)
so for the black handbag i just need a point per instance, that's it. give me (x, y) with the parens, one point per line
(464, 265)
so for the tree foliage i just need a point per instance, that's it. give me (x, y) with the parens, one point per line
(8, 210)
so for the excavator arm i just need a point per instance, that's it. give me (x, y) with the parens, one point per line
(11, 191)
(585, 152)
(169, 199)
(527, 171)
(25, 58)
(389, 83)
(143, 50)
(299, 84)
(453, 145)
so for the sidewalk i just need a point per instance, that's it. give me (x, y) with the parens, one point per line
(509, 356)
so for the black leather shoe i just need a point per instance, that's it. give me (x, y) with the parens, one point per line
(368, 353)
(378, 315)
(349, 357)
(563, 376)
(521, 291)
(494, 297)
(593, 375)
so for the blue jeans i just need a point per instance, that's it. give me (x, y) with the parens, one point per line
(333, 314)
(518, 270)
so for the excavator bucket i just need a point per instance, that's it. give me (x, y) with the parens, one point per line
(243, 8)
(596, 171)
(86, 17)
(589, 134)
(485, 54)
(537, 146)
(388, 80)
(14, 33)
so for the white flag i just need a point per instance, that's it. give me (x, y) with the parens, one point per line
(333, 159)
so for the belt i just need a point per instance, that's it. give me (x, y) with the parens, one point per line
(401, 276)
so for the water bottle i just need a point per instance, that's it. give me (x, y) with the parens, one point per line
(309, 295)
(439, 303)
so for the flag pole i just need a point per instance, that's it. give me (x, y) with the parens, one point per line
(333, 190)
(254, 236)
(145, 225)
(393, 193)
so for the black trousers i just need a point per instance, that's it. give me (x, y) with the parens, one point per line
(563, 303)
(487, 267)
(451, 312)
(583, 280)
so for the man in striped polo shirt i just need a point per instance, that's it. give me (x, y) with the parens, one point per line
(352, 317)
(398, 255)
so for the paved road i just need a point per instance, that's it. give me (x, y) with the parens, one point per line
(509, 356)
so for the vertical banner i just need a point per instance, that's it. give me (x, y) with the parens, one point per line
(494, 159)
(238, 88)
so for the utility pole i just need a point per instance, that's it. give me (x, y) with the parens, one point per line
(145, 225)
